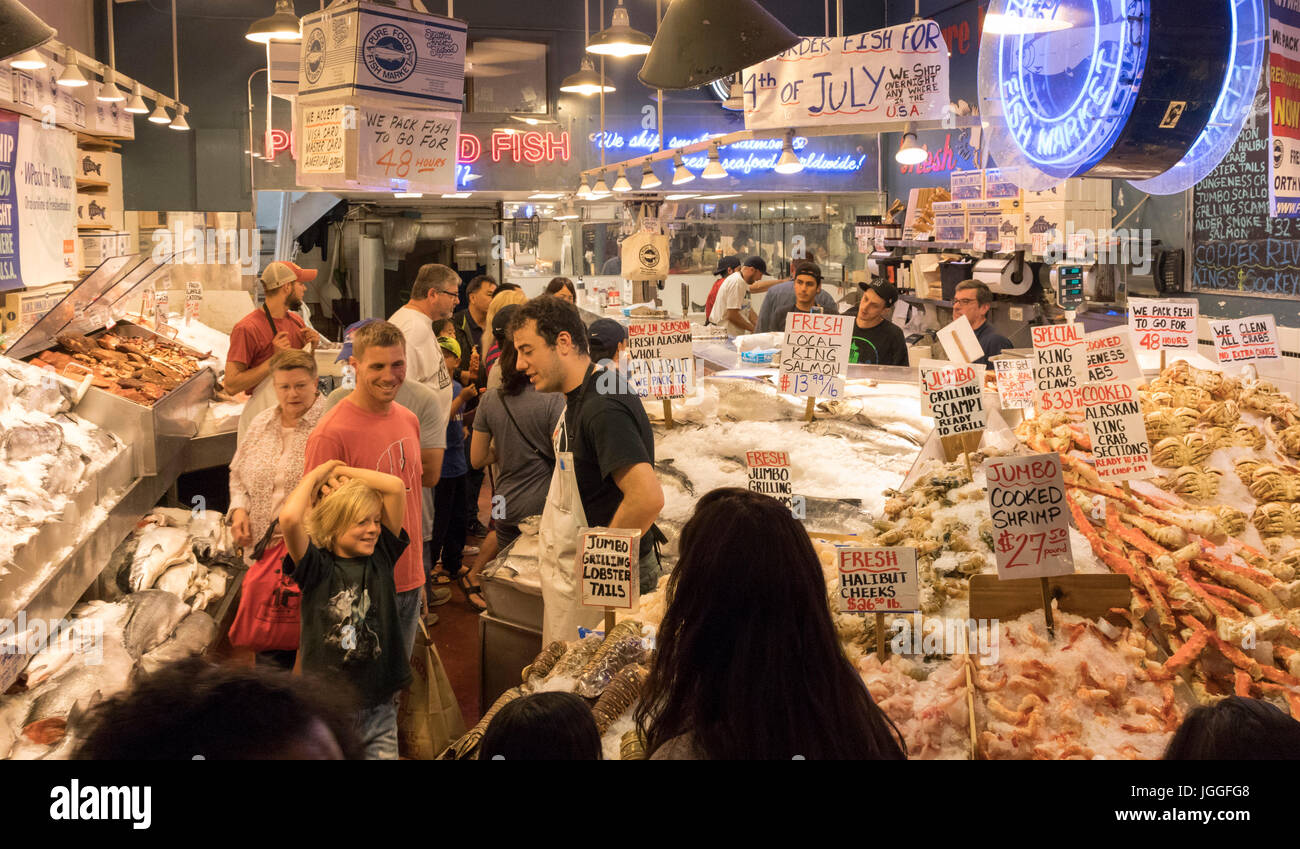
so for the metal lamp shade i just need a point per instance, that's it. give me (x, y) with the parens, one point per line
(700, 41)
(20, 30)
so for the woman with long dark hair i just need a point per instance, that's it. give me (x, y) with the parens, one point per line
(748, 665)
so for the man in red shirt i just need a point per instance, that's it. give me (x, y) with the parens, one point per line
(258, 335)
(369, 431)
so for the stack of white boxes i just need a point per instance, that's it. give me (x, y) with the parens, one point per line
(989, 202)
(1077, 204)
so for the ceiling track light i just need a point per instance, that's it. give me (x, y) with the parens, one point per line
(681, 174)
(281, 25)
(72, 77)
(159, 114)
(909, 151)
(620, 40)
(713, 170)
(649, 179)
(108, 90)
(136, 104)
(179, 122)
(789, 162)
(621, 184)
(584, 191)
(600, 189)
(28, 61)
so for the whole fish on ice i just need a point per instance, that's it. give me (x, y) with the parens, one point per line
(158, 549)
(184, 579)
(154, 615)
(27, 441)
(193, 636)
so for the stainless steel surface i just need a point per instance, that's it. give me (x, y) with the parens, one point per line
(504, 650)
(207, 452)
(514, 602)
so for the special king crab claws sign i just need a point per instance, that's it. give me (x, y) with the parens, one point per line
(814, 354)
(1120, 448)
(894, 74)
(609, 568)
(661, 360)
(1238, 340)
(769, 474)
(1060, 366)
(1159, 324)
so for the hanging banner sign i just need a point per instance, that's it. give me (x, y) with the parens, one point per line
(892, 74)
(1015, 379)
(609, 567)
(814, 353)
(1111, 356)
(1284, 110)
(1031, 530)
(1060, 366)
(954, 395)
(38, 203)
(875, 580)
(769, 474)
(1238, 340)
(1120, 448)
(1163, 323)
(660, 358)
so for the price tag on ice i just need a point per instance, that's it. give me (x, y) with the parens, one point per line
(814, 354)
(1060, 366)
(1015, 379)
(1239, 340)
(160, 305)
(660, 358)
(1031, 529)
(980, 240)
(1120, 449)
(769, 474)
(878, 579)
(954, 395)
(608, 565)
(1163, 323)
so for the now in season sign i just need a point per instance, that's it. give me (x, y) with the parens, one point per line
(660, 358)
(1031, 531)
(1120, 448)
(878, 579)
(954, 395)
(1238, 340)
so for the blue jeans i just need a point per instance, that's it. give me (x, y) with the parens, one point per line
(408, 617)
(377, 728)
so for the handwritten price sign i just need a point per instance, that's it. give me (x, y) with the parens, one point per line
(1060, 366)
(876, 580)
(814, 354)
(1160, 324)
(1031, 531)
(408, 148)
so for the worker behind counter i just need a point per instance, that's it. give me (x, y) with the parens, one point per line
(802, 293)
(731, 309)
(974, 300)
(877, 341)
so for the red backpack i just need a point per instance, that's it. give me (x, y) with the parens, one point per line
(713, 296)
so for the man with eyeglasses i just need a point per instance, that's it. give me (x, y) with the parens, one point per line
(974, 300)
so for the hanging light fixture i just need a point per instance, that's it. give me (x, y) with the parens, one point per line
(789, 162)
(620, 40)
(136, 105)
(600, 189)
(621, 184)
(29, 61)
(909, 152)
(586, 81)
(699, 41)
(584, 191)
(108, 90)
(179, 122)
(282, 25)
(735, 95)
(649, 179)
(72, 76)
(681, 174)
(713, 170)
(20, 31)
(565, 213)
(159, 114)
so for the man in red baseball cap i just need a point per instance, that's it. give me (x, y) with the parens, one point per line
(258, 335)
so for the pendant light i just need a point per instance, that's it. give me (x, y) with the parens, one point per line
(72, 76)
(620, 40)
(621, 184)
(713, 170)
(600, 189)
(20, 31)
(909, 152)
(584, 191)
(29, 61)
(586, 81)
(735, 95)
(681, 174)
(789, 162)
(699, 41)
(159, 114)
(282, 25)
(136, 105)
(649, 179)
(179, 122)
(108, 90)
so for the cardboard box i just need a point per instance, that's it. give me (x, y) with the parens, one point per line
(967, 185)
(96, 210)
(1060, 219)
(997, 224)
(1086, 192)
(919, 222)
(950, 225)
(998, 185)
(359, 47)
(25, 308)
(1004, 206)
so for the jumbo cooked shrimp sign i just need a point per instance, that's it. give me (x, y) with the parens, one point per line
(1031, 531)
(953, 393)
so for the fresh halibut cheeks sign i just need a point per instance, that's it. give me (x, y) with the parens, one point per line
(892, 74)
(876, 580)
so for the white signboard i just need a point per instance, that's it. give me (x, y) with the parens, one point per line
(323, 147)
(1031, 530)
(609, 567)
(660, 358)
(1060, 366)
(407, 150)
(1163, 323)
(161, 302)
(960, 344)
(1239, 340)
(894, 74)
(815, 354)
(876, 580)
(193, 298)
(1015, 379)
(953, 393)
(44, 194)
(769, 474)
(1120, 448)
(1111, 356)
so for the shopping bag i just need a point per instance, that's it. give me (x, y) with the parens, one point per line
(645, 256)
(428, 715)
(269, 605)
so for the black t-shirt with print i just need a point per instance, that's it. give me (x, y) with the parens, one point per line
(881, 345)
(349, 617)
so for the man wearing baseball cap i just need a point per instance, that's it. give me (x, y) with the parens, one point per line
(258, 335)
(731, 309)
(876, 340)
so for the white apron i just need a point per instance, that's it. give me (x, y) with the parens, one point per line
(562, 519)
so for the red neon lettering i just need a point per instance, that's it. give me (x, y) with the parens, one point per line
(505, 141)
(532, 147)
(557, 147)
(470, 148)
(276, 141)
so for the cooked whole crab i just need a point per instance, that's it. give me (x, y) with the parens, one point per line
(1186, 450)
(1247, 436)
(1269, 483)
(1275, 519)
(1289, 441)
(1194, 482)
(1222, 414)
(1170, 421)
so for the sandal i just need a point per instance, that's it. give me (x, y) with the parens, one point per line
(442, 578)
(470, 591)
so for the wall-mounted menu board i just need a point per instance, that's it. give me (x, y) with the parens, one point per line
(1236, 248)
